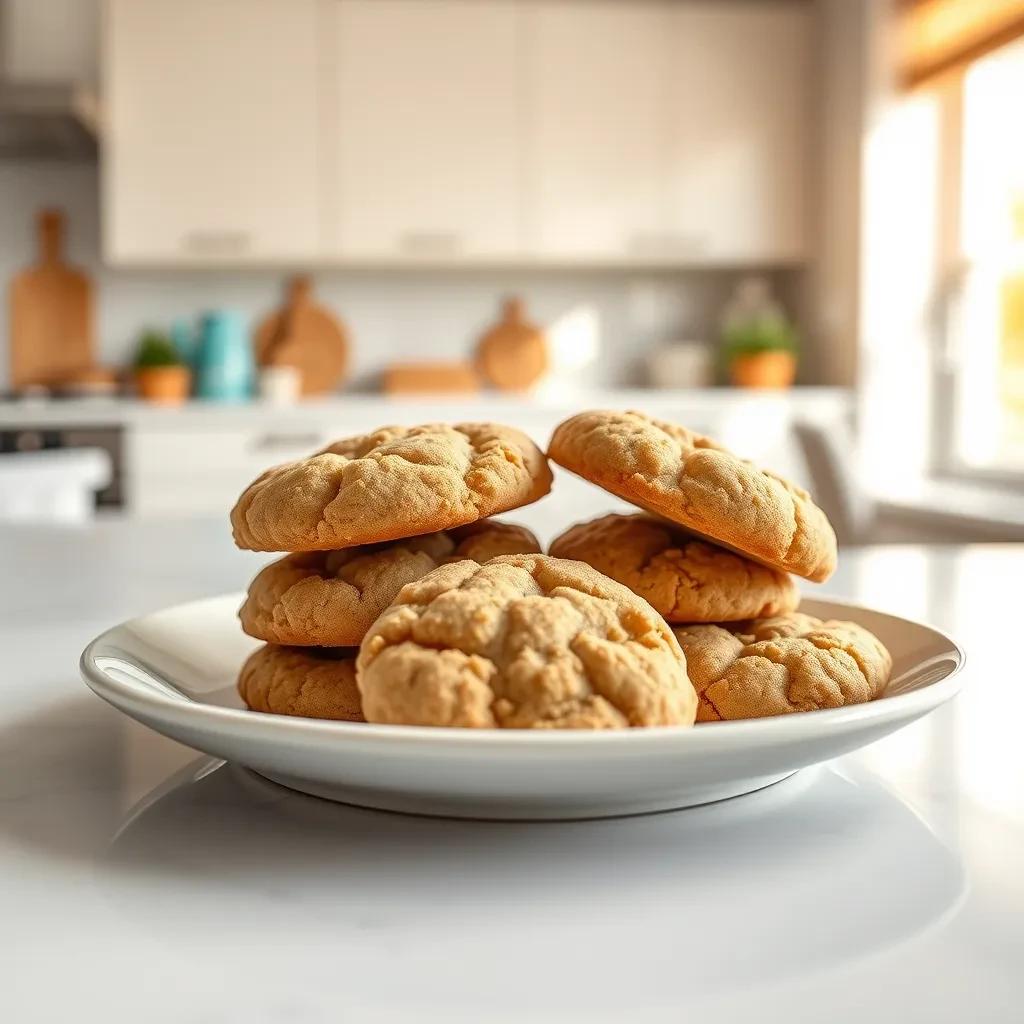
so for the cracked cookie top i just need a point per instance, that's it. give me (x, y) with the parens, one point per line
(396, 482)
(789, 663)
(683, 578)
(689, 479)
(523, 642)
(330, 598)
(308, 683)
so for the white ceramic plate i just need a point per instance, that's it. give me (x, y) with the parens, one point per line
(175, 671)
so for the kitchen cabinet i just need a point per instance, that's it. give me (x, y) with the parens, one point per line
(211, 144)
(738, 95)
(668, 133)
(397, 132)
(187, 468)
(422, 129)
(595, 128)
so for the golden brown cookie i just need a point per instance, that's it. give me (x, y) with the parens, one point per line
(330, 598)
(691, 480)
(523, 642)
(396, 482)
(488, 538)
(789, 663)
(683, 578)
(309, 683)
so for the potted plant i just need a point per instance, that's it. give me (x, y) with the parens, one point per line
(760, 343)
(160, 374)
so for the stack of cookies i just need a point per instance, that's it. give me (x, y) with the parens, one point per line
(402, 602)
(363, 518)
(713, 553)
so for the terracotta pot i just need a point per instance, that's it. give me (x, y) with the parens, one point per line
(168, 385)
(763, 370)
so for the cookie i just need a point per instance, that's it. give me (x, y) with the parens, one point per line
(396, 482)
(309, 683)
(330, 598)
(689, 479)
(489, 538)
(523, 642)
(778, 665)
(683, 578)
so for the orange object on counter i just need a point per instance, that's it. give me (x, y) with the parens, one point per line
(51, 309)
(307, 336)
(430, 378)
(763, 370)
(164, 385)
(513, 354)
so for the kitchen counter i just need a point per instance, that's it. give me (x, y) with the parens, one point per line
(144, 881)
(199, 415)
(193, 460)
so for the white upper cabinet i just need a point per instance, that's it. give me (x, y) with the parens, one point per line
(422, 130)
(739, 109)
(595, 127)
(210, 152)
(667, 132)
(456, 131)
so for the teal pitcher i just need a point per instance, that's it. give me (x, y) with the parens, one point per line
(225, 369)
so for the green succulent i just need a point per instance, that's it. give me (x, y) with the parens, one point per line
(156, 349)
(767, 333)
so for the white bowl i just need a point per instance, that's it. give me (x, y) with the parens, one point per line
(175, 671)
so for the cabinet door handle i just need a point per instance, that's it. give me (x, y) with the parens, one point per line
(430, 243)
(217, 243)
(276, 442)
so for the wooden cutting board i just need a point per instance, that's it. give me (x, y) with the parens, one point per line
(513, 355)
(430, 379)
(307, 336)
(51, 310)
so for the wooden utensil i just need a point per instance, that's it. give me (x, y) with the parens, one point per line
(307, 336)
(96, 381)
(513, 355)
(51, 310)
(430, 378)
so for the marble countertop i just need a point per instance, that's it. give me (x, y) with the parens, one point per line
(143, 881)
(560, 399)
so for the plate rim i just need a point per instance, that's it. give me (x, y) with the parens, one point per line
(791, 726)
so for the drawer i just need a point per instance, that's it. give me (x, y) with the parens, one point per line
(209, 497)
(176, 451)
(192, 472)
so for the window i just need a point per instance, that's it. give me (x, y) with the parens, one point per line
(978, 421)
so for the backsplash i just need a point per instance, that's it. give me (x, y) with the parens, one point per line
(393, 315)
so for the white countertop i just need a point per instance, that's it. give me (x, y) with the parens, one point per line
(145, 882)
(366, 407)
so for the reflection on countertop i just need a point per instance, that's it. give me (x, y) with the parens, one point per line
(780, 868)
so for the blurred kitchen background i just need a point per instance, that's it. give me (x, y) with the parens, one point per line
(232, 230)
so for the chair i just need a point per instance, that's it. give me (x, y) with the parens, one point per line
(830, 453)
(932, 512)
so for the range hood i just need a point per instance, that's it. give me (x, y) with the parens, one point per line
(47, 121)
(48, 62)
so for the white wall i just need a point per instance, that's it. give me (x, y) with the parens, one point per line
(393, 315)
